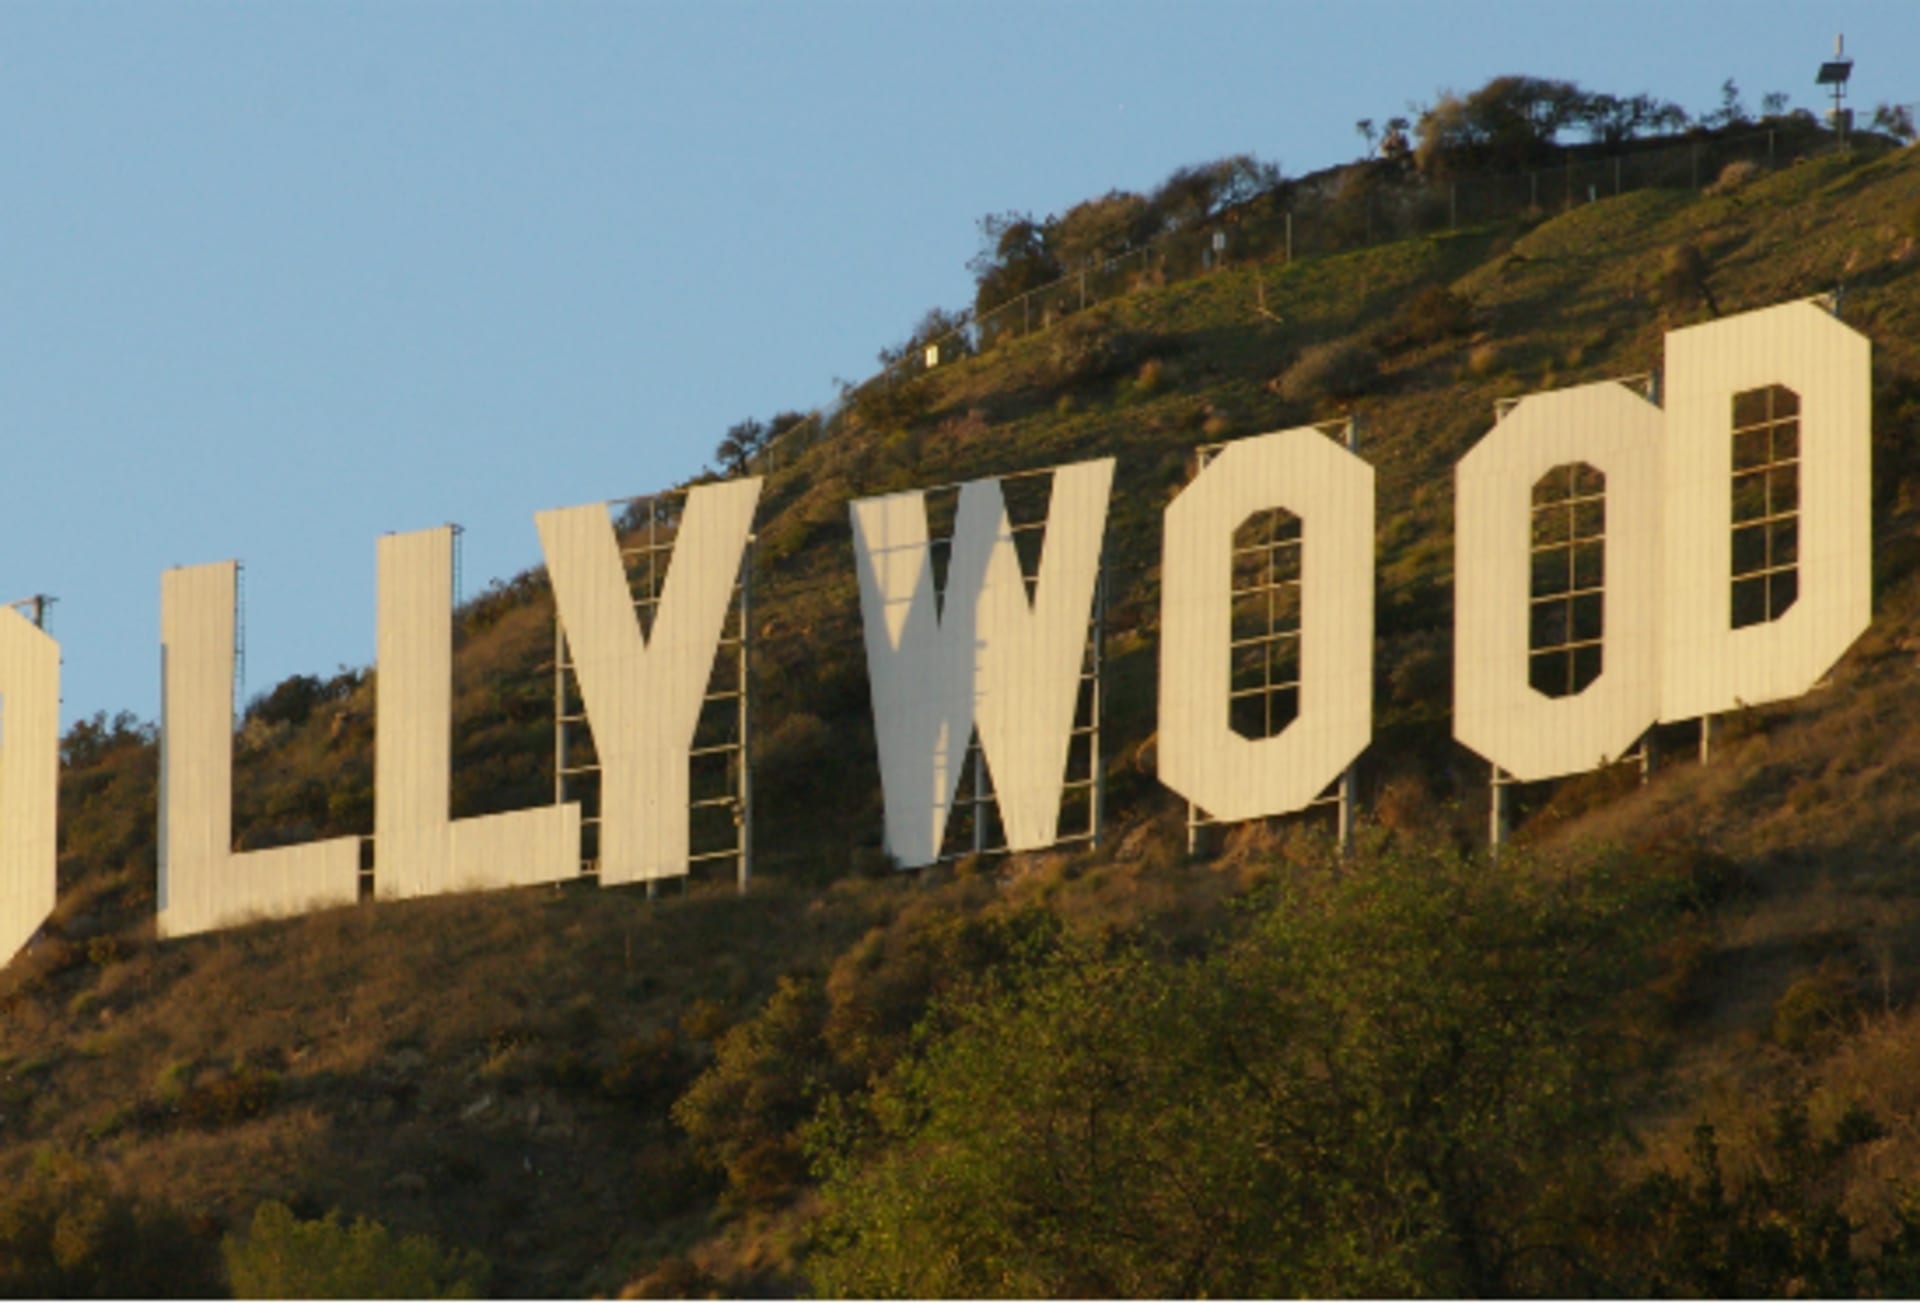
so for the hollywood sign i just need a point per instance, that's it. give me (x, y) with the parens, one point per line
(1669, 496)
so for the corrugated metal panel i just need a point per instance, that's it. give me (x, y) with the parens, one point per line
(204, 884)
(29, 777)
(1228, 775)
(419, 850)
(643, 694)
(1706, 665)
(988, 656)
(1495, 710)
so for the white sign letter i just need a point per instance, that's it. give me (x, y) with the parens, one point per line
(989, 657)
(1807, 458)
(419, 850)
(643, 693)
(204, 883)
(29, 777)
(1496, 711)
(1201, 757)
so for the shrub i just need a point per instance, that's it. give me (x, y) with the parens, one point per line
(284, 1257)
(888, 402)
(1779, 1229)
(1344, 369)
(938, 326)
(247, 1092)
(1090, 347)
(65, 1232)
(673, 1278)
(743, 1113)
(1683, 278)
(1434, 314)
(1733, 176)
(1814, 1009)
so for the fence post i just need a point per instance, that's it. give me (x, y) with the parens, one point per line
(1533, 190)
(1694, 156)
(1453, 204)
(1770, 162)
(1083, 289)
(1616, 176)
(1289, 235)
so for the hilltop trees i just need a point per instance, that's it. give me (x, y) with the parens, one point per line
(746, 440)
(739, 445)
(937, 326)
(1014, 258)
(1019, 253)
(1515, 122)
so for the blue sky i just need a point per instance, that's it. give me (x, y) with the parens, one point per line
(278, 278)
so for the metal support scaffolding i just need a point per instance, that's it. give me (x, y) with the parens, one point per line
(720, 805)
(1497, 811)
(239, 639)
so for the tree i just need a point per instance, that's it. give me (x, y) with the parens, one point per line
(1191, 195)
(1510, 122)
(1014, 259)
(738, 447)
(1097, 229)
(1895, 120)
(294, 698)
(1396, 144)
(1732, 111)
(1399, 1077)
(1614, 120)
(88, 741)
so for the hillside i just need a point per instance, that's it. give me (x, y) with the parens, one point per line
(598, 1090)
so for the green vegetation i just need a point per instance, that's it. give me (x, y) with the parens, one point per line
(284, 1257)
(1674, 1037)
(1389, 1077)
(66, 1231)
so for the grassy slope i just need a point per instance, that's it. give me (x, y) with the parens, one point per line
(497, 1069)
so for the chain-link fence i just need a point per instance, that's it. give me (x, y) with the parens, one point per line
(1349, 208)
